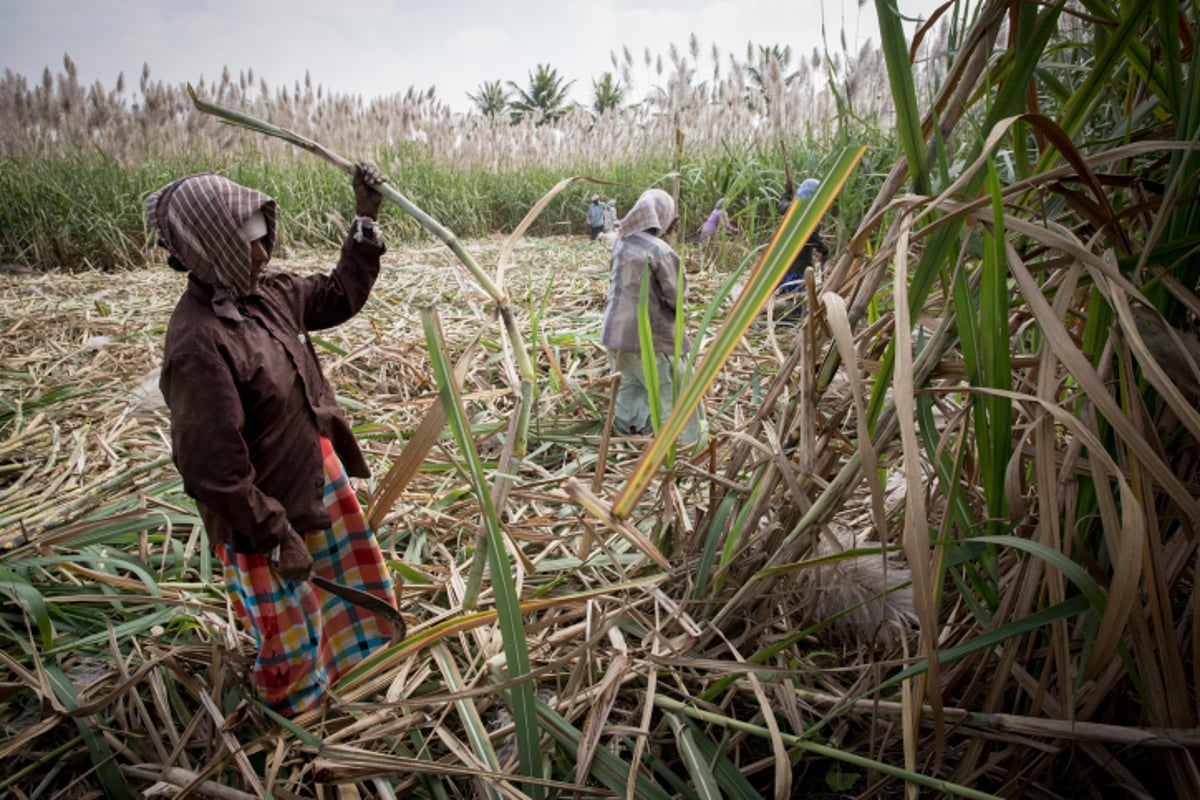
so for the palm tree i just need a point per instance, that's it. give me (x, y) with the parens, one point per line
(769, 72)
(607, 93)
(546, 98)
(490, 98)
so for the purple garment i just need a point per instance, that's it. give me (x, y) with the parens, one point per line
(713, 222)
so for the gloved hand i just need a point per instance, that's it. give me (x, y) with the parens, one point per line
(294, 561)
(366, 199)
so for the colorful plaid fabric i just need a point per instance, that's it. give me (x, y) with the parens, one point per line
(308, 638)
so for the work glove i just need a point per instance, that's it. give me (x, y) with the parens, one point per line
(367, 199)
(292, 559)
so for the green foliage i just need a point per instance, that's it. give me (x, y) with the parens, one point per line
(544, 99)
(490, 99)
(607, 93)
(86, 210)
(839, 779)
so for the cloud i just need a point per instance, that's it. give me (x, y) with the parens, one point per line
(385, 46)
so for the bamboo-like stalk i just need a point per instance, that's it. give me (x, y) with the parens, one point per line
(493, 288)
(183, 778)
(388, 190)
(476, 732)
(1017, 724)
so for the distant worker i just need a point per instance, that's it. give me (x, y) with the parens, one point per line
(715, 221)
(595, 217)
(642, 249)
(793, 279)
(610, 214)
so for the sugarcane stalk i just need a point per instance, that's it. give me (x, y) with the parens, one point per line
(493, 289)
(389, 191)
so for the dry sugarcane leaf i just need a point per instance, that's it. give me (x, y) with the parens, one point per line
(603, 512)
(917, 546)
(602, 705)
(415, 452)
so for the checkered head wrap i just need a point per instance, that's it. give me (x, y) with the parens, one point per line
(654, 210)
(199, 220)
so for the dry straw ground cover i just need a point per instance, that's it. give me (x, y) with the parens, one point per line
(137, 630)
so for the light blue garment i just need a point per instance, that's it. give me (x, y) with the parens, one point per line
(632, 414)
(595, 215)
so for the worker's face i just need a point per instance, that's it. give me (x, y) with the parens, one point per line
(258, 260)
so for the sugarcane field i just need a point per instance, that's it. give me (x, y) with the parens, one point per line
(906, 506)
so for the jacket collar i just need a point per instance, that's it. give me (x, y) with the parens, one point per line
(223, 303)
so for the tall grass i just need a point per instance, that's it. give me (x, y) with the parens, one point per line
(78, 160)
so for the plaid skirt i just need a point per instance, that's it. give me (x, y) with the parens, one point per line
(306, 637)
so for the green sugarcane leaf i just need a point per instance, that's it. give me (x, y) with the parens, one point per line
(904, 95)
(607, 768)
(477, 733)
(32, 601)
(699, 767)
(326, 345)
(712, 544)
(103, 758)
(512, 625)
(646, 347)
(948, 655)
(729, 778)
(136, 626)
(995, 434)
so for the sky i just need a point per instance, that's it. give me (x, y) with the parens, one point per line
(387, 46)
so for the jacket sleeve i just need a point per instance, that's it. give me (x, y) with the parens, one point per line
(666, 275)
(329, 300)
(209, 450)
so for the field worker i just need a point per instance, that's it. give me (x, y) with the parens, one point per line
(257, 434)
(793, 279)
(595, 217)
(642, 244)
(714, 222)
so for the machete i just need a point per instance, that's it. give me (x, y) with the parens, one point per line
(368, 602)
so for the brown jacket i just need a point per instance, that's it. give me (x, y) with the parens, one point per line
(248, 399)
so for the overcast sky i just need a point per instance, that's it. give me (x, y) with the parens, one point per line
(386, 46)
